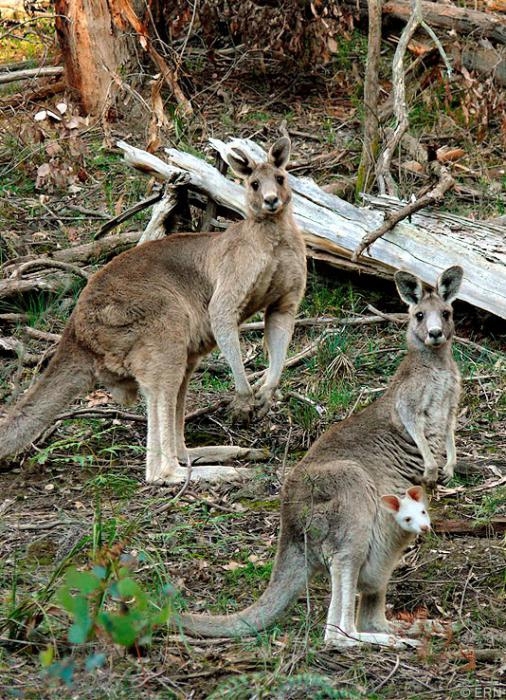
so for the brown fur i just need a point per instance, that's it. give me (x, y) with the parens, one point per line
(330, 513)
(145, 320)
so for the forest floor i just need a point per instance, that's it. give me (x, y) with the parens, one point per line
(77, 502)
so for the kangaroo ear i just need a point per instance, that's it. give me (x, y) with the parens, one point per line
(448, 283)
(409, 287)
(391, 503)
(279, 153)
(416, 493)
(240, 162)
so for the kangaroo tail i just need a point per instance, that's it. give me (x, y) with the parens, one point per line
(69, 373)
(289, 577)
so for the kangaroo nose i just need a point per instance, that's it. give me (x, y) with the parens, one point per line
(435, 333)
(271, 201)
(425, 528)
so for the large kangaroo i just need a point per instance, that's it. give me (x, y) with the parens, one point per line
(145, 320)
(331, 508)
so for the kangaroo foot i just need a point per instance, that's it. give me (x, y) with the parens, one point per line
(216, 454)
(242, 408)
(202, 473)
(430, 475)
(376, 638)
(263, 401)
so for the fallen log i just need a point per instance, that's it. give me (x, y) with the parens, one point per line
(333, 228)
(495, 526)
(29, 73)
(461, 20)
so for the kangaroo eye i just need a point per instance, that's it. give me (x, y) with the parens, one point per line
(408, 519)
(419, 316)
(280, 179)
(424, 512)
(255, 185)
(446, 315)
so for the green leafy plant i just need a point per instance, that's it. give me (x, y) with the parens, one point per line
(107, 602)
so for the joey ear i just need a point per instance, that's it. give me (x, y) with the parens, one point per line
(409, 287)
(448, 283)
(240, 162)
(279, 153)
(391, 503)
(416, 493)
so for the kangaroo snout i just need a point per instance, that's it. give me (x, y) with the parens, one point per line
(272, 202)
(435, 336)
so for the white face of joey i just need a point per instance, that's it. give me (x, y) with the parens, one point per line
(410, 511)
(412, 516)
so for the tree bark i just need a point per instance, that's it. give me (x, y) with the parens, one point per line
(96, 51)
(366, 170)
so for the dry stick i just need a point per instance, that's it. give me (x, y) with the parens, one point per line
(85, 253)
(9, 288)
(48, 263)
(446, 182)
(11, 76)
(13, 318)
(388, 677)
(42, 335)
(145, 41)
(326, 320)
(102, 412)
(385, 180)
(127, 214)
(16, 347)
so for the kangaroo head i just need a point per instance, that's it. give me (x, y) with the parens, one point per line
(430, 310)
(410, 511)
(267, 189)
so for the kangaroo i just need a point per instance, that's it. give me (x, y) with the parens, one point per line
(145, 320)
(334, 513)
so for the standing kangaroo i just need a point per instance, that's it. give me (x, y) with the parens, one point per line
(332, 512)
(146, 319)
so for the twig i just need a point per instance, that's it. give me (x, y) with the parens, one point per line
(445, 183)
(125, 215)
(87, 212)
(487, 486)
(41, 263)
(388, 677)
(466, 584)
(333, 320)
(169, 75)
(103, 412)
(385, 179)
(42, 335)
(393, 318)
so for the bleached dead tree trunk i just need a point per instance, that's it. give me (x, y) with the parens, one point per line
(333, 228)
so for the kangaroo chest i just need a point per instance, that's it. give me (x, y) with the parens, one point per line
(439, 393)
(280, 278)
